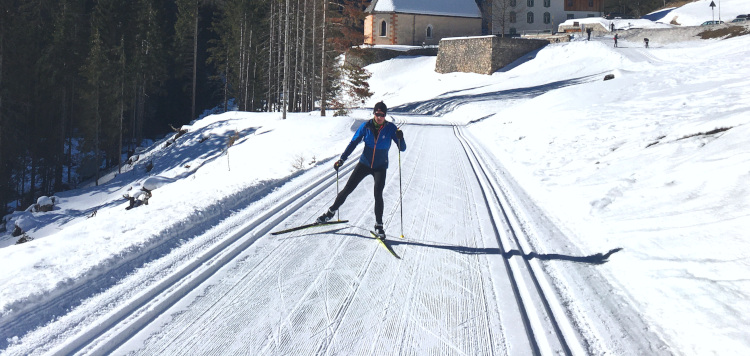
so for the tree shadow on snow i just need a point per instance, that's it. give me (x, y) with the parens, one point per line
(447, 102)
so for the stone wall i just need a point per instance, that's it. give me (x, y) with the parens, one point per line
(483, 55)
(366, 56)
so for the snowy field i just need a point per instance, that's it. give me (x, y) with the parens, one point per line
(652, 166)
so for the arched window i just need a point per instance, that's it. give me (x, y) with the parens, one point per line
(530, 17)
(512, 3)
(383, 28)
(547, 3)
(512, 17)
(429, 31)
(530, 3)
(547, 17)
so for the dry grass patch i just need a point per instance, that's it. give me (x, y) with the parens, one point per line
(725, 32)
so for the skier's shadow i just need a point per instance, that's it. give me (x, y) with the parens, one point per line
(595, 259)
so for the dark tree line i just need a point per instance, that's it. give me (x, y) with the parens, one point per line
(83, 82)
(634, 8)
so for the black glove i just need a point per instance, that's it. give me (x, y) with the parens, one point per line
(399, 135)
(338, 164)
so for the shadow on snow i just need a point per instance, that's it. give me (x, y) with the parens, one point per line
(595, 259)
(449, 101)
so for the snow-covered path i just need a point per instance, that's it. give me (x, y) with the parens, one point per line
(338, 292)
(467, 284)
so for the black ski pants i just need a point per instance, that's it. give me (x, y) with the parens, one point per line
(360, 172)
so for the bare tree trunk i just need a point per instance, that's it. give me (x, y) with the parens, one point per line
(97, 159)
(122, 107)
(303, 80)
(294, 92)
(279, 66)
(255, 79)
(136, 102)
(247, 69)
(3, 188)
(226, 82)
(270, 60)
(323, 64)
(312, 56)
(195, 61)
(70, 134)
(286, 60)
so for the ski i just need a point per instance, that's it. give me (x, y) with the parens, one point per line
(307, 226)
(384, 244)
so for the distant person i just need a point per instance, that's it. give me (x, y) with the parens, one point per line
(612, 27)
(615, 40)
(645, 42)
(377, 135)
(588, 32)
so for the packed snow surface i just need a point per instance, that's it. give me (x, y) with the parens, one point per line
(630, 197)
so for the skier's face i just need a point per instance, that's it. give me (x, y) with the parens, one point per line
(379, 117)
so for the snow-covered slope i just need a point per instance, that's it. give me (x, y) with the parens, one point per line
(697, 12)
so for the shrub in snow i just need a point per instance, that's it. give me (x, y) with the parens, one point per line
(24, 238)
(133, 159)
(22, 223)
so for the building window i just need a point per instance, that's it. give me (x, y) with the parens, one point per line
(591, 3)
(530, 3)
(512, 17)
(513, 31)
(547, 18)
(571, 16)
(547, 3)
(383, 28)
(530, 17)
(429, 31)
(570, 3)
(591, 15)
(512, 3)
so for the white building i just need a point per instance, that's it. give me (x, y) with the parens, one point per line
(516, 17)
(417, 22)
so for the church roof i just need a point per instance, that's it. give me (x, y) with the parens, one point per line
(459, 8)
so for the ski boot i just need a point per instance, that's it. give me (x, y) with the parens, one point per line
(379, 232)
(325, 217)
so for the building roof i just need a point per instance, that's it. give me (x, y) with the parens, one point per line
(458, 8)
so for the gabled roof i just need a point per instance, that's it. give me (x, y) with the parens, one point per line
(459, 8)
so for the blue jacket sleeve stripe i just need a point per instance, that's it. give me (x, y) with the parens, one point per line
(358, 136)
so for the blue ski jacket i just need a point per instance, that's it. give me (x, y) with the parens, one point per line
(377, 144)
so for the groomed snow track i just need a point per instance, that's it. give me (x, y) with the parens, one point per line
(468, 286)
(547, 325)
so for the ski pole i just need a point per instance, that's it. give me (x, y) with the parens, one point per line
(400, 196)
(338, 213)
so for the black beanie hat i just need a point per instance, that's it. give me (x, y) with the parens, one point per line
(380, 106)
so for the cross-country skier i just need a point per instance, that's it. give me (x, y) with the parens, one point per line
(377, 134)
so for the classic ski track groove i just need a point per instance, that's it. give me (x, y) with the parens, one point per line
(532, 294)
(183, 280)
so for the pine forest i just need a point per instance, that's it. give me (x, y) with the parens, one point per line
(84, 82)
